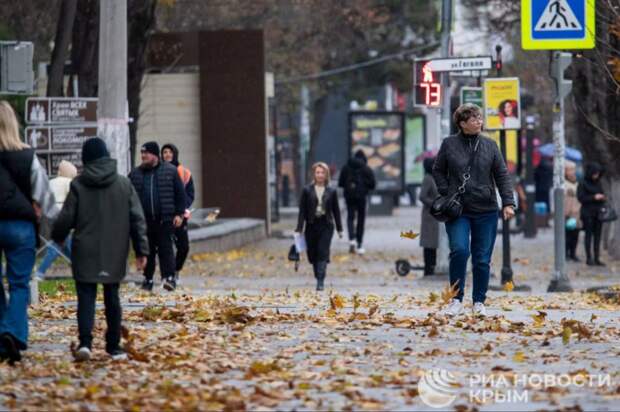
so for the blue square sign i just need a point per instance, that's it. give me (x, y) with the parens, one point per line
(558, 19)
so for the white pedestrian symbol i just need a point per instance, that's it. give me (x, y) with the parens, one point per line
(558, 16)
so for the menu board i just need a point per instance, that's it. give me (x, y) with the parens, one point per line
(380, 136)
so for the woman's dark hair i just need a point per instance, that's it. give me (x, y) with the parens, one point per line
(464, 112)
(515, 108)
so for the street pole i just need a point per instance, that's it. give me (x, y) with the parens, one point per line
(559, 62)
(112, 113)
(530, 188)
(443, 259)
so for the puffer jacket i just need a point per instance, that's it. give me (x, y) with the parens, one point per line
(588, 189)
(488, 171)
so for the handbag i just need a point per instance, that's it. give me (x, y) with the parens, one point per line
(607, 213)
(450, 207)
(293, 256)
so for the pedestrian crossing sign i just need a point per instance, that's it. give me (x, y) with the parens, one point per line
(557, 24)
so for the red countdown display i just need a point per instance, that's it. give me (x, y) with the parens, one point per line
(426, 84)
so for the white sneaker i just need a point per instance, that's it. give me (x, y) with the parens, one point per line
(119, 355)
(360, 251)
(454, 308)
(352, 246)
(479, 309)
(83, 354)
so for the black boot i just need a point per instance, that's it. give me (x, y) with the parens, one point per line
(589, 261)
(320, 273)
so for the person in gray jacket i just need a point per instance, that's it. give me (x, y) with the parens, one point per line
(429, 227)
(104, 211)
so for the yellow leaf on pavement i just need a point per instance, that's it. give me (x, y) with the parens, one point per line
(337, 302)
(509, 286)
(409, 235)
(566, 335)
(519, 357)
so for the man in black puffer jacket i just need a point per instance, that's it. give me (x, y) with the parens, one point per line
(592, 198)
(163, 199)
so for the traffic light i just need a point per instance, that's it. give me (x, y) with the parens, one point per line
(16, 73)
(427, 86)
(559, 63)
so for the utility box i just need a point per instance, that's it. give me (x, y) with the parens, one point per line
(16, 72)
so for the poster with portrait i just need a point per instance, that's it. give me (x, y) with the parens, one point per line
(415, 145)
(380, 135)
(502, 104)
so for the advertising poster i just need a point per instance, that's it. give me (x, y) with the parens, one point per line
(380, 135)
(512, 146)
(502, 104)
(415, 145)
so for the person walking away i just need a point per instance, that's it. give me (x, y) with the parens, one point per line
(572, 211)
(543, 178)
(592, 197)
(170, 154)
(60, 186)
(319, 212)
(162, 195)
(478, 223)
(25, 196)
(104, 211)
(357, 180)
(429, 230)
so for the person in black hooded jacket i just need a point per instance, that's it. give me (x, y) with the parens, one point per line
(357, 180)
(590, 194)
(170, 154)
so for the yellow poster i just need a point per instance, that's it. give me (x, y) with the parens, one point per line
(502, 104)
(512, 146)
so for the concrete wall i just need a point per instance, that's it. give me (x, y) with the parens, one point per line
(170, 113)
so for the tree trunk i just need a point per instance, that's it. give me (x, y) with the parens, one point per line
(85, 47)
(64, 28)
(141, 17)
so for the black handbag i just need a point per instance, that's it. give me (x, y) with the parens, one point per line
(293, 256)
(607, 213)
(449, 207)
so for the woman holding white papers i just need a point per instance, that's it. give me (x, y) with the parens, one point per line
(319, 212)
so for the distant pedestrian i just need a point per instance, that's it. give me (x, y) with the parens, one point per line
(429, 231)
(104, 211)
(543, 178)
(592, 197)
(170, 154)
(319, 212)
(25, 196)
(60, 186)
(357, 180)
(478, 223)
(572, 211)
(163, 199)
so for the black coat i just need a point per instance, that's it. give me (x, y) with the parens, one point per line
(588, 189)
(160, 190)
(357, 179)
(488, 171)
(309, 202)
(15, 187)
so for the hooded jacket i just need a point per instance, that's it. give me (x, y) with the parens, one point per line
(104, 210)
(356, 178)
(488, 171)
(588, 188)
(184, 173)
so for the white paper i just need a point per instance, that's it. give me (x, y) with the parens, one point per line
(300, 243)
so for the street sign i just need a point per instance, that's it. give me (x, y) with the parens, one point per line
(459, 64)
(502, 103)
(58, 110)
(471, 95)
(16, 73)
(59, 138)
(558, 24)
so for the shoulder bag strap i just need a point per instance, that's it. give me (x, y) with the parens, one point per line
(467, 173)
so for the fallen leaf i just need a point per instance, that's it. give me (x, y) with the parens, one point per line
(336, 302)
(450, 292)
(509, 286)
(409, 235)
(566, 332)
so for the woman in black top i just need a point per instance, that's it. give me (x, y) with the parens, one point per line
(590, 194)
(319, 211)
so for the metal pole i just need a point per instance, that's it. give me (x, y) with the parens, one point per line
(530, 188)
(112, 114)
(443, 259)
(506, 268)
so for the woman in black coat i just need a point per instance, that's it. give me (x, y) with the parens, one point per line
(590, 194)
(319, 211)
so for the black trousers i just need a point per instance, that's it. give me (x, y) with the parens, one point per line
(356, 208)
(181, 242)
(160, 236)
(430, 261)
(87, 296)
(594, 229)
(572, 240)
(319, 240)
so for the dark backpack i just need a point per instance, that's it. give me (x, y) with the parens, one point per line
(355, 187)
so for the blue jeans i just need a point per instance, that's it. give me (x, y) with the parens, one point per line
(52, 254)
(17, 242)
(483, 230)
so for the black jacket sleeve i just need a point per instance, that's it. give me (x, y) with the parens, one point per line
(342, 179)
(137, 224)
(336, 211)
(584, 195)
(179, 196)
(301, 217)
(440, 170)
(502, 178)
(189, 193)
(67, 218)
